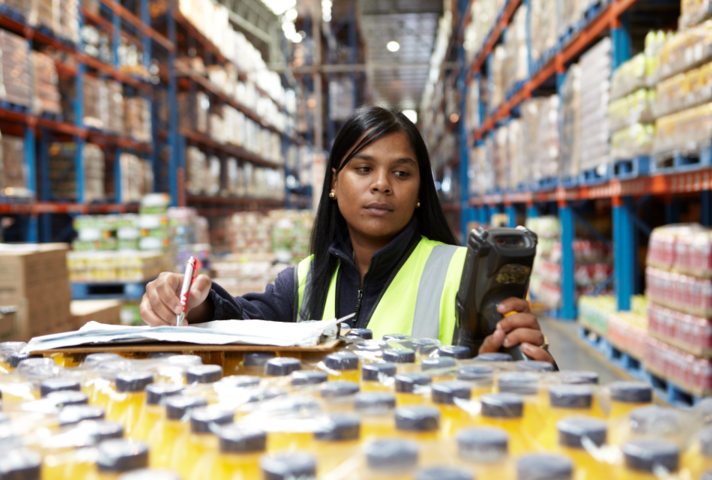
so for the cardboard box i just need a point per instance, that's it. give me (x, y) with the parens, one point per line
(102, 311)
(32, 271)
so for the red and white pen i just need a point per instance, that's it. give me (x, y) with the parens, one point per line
(191, 271)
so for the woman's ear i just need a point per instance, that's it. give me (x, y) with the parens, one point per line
(333, 179)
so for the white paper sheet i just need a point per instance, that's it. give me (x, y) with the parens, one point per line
(223, 332)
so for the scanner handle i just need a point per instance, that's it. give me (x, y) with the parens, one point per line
(515, 351)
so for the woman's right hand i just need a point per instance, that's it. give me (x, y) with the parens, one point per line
(161, 303)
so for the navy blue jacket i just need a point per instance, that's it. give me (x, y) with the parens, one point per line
(279, 302)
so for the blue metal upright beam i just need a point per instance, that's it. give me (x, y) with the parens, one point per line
(568, 283)
(511, 212)
(621, 39)
(623, 251)
(465, 211)
(32, 235)
(118, 187)
(172, 110)
(146, 19)
(116, 37)
(532, 211)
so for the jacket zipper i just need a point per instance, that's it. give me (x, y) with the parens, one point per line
(358, 306)
(360, 291)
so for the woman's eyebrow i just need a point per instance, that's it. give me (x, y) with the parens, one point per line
(363, 156)
(407, 160)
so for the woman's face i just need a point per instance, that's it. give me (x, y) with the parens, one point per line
(377, 191)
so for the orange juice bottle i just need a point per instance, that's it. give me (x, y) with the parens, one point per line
(344, 366)
(544, 465)
(201, 440)
(403, 357)
(58, 385)
(627, 396)
(698, 457)
(578, 377)
(280, 414)
(239, 455)
(282, 366)
(20, 361)
(369, 350)
(643, 458)
(486, 449)
(152, 410)
(115, 457)
(21, 464)
(131, 395)
(445, 396)
(441, 473)
(576, 436)
(418, 423)
(238, 381)
(254, 363)
(163, 440)
(73, 414)
(425, 347)
(533, 366)
(441, 369)
(652, 420)
(339, 396)
(94, 359)
(66, 398)
(376, 377)
(172, 369)
(527, 385)
(288, 466)
(565, 401)
(390, 459)
(399, 340)
(494, 357)
(376, 411)
(232, 362)
(335, 441)
(454, 351)
(100, 389)
(362, 333)
(307, 378)
(506, 411)
(480, 378)
(412, 388)
(202, 374)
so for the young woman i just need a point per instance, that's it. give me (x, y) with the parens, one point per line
(381, 248)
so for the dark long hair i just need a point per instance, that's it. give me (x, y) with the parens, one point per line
(329, 225)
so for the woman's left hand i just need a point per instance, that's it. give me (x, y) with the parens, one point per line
(520, 328)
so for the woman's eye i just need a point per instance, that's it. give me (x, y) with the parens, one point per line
(401, 173)
(363, 169)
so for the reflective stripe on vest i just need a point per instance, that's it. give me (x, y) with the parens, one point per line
(424, 308)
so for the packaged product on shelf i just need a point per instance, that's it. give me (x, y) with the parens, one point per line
(128, 232)
(694, 12)
(547, 152)
(570, 12)
(213, 178)
(501, 161)
(634, 141)
(543, 28)
(637, 107)
(122, 266)
(571, 123)
(641, 71)
(62, 161)
(97, 43)
(13, 182)
(196, 170)
(193, 111)
(45, 91)
(138, 118)
(516, 63)
(596, 68)
(694, 374)
(684, 50)
(16, 70)
(250, 233)
(690, 333)
(190, 237)
(136, 177)
(155, 232)
(515, 154)
(476, 172)
(483, 17)
(496, 79)
(686, 131)
(472, 105)
(131, 60)
(594, 312)
(95, 232)
(155, 203)
(291, 232)
(684, 90)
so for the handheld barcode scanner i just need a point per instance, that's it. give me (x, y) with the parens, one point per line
(498, 266)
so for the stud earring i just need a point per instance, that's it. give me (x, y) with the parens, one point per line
(332, 195)
(417, 205)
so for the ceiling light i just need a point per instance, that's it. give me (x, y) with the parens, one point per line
(412, 115)
(327, 16)
(393, 46)
(280, 6)
(291, 14)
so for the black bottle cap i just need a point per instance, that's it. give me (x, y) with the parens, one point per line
(150, 474)
(533, 366)
(398, 337)
(20, 464)
(205, 419)
(342, 361)
(544, 466)
(578, 377)
(308, 377)
(645, 454)
(425, 346)
(57, 385)
(399, 355)
(185, 360)
(631, 392)
(133, 381)
(282, 366)
(445, 393)
(571, 396)
(475, 373)
(96, 358)
(522, 383)
(502, 405)
(494, 357)
(27, 362)
(237, 439)
(364, 333)
(289, 466)
(483, 445)
(339, 428)
(706, 442)
(411, 382)
(417, 419)
(156, 393)
(66, 398)
(444, 473)
(437, 363)
(377, 372)
(573, 430)
(339, 389)
(240, 381)
(178, 406)
(374, 403)
(203, 374)
(257, 359)
(391, 455)
(656, 420)
(101, 430)
(77, 413)
(371, 345)
(455, 351)
(121, 456)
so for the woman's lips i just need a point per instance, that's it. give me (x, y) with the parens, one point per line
(378, 209)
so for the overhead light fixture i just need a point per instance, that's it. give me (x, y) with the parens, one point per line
(326, 6)
(412, 115)
(291, 15)
(393, 46)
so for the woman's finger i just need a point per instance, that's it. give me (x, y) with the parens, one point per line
(536, 353)
(518, 320)
(147, 315)
(159, 307)
(167, 293)
(513, 304)
(524, 335)
(199, 291)
(492, 343)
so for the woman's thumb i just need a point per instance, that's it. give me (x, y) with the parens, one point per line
(199, 291)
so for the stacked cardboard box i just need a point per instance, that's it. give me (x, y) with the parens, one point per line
(16, 73)
(138, 118)
(596, 68)
(62, 172)
(12, 179)
(102, 311)
(34, 278)
(136, 177)
(46, 96)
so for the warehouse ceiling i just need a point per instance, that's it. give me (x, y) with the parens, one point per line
(411, 23)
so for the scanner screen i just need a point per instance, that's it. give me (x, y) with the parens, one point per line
(513, 274)
(511, 241)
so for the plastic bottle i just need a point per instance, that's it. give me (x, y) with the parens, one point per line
(533, 366)
(20, 464)
(412, 388)
(336, 440)
(131, 395)
(544, 466)
(343, 365)
(577, 436)
(282, 366)
(74, 414)
(376, 411)
(203, 374)
(58, 385)
(99, 386)
(94, 359)
(404, 358)
(175, 425)
(190, 450)
(537, 402)
(150, 474)
(339, 395)
(289, 466)
(443, 473)
(390, 459)
(239, 455)
(425, 347)
(308, 378)
(153, 410)
(486, 450)
(494, 357)
(279, 418)
(455, 351)
(115, 457)
(232, 362)
(254, 363)
(445, 396)
(506, 411)
(363, 333)
(480, 378)
(578, 377)
(644, 456)
(172, 369)
(377, 377)
(441, 369)
(698, 457)
(627, 396)
(565, 401)
(400, 340)
(418, 423)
